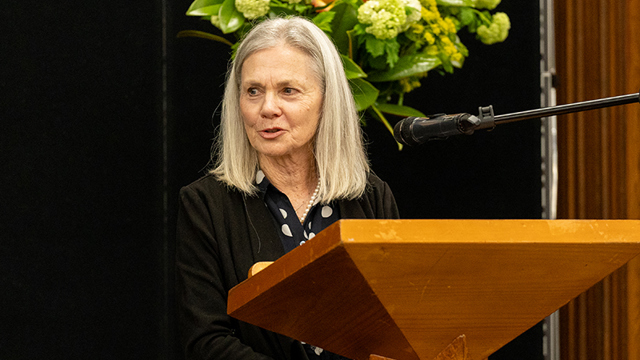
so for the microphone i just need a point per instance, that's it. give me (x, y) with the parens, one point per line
(417, 130)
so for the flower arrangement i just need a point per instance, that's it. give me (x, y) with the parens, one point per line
(387, 46)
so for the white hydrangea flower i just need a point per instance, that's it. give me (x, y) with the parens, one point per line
(252, 9)
(415, 13)
(387, 18)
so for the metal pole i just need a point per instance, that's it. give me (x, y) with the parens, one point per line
(568, 108)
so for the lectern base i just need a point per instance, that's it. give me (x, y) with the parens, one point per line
(378, 357)
(457, 350)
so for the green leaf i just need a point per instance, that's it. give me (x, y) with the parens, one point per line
(447, 65)
(345, 19)
(364, 93)
(466, 16)
(301, 7)
(203, 8)
(230, 18)
(323, 21)
(377, 63)
(406, 66)
(375, 46)
(215, 9)
(399, 110)
(203, 35)
(277, 10)
(392, 48)
(456, 2)
(352, 69)
(461, 47)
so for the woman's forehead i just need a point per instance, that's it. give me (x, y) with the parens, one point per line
(282, 64)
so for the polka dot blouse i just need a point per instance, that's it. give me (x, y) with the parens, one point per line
(292, 232)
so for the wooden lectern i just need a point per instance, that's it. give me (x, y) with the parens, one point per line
(430, 289)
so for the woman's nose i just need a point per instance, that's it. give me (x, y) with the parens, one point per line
(270, 106)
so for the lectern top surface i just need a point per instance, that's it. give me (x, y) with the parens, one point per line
(482, 231)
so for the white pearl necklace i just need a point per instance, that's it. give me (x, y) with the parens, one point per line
(310, 204)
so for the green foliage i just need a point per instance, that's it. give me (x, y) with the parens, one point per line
(364, 93)
(351, 69)
(387, 46)
(230, 18)
(204, 8)
(410, 65)
(323, 21)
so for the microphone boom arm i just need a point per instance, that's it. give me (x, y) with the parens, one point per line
(415, 130)
(568, 108)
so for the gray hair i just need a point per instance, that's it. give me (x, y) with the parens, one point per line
(339, 151)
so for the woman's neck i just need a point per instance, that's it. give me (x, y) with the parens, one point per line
(297, 178)
(287, 174)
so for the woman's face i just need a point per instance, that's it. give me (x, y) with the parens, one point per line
(281, 101)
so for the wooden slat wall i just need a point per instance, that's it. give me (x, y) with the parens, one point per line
(598, 55)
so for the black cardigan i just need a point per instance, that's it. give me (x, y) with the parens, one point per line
(221, 233)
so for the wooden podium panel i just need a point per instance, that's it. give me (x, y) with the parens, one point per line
(405, 289)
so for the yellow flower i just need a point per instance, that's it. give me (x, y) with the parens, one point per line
(429, 38)
(417, 28)
(449, 25)
(447, 46)
(432, 50)
(429, 3)
(408, 84)
(435, 29)
(428, 15)
(445, 41)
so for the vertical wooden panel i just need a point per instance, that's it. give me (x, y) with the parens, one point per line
(632, 54)
(632, 72)
(598, 55)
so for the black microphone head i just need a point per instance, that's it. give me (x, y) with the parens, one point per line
(402, 131)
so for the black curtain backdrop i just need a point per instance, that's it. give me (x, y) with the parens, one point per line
(81, 195)
(104, 115)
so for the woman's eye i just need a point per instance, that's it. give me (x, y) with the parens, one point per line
(252, 91)
(289, 90)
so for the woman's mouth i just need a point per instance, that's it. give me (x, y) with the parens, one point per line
(271, 133)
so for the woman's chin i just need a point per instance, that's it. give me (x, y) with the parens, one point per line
(278, 151)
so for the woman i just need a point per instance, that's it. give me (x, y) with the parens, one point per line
(289, 162)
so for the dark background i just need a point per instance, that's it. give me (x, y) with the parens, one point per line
(104, 115)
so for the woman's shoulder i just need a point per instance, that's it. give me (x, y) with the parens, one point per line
(375, 183)
(376, 189)
(208, 185)
(206, 182)
(377, 202)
